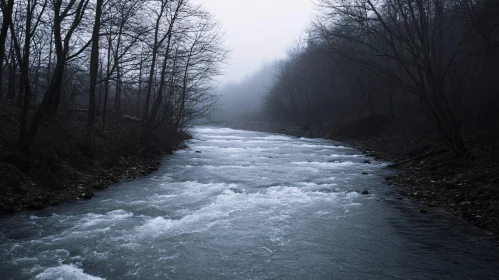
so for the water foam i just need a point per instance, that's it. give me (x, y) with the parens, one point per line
(173, 210)
(229, 205)
(324, 164)
(65, 271)
(344, 155)
(91, 219)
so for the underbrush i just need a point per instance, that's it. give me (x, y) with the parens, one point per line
(58, 168)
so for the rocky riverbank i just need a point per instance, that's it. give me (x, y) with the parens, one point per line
(22, 190)
(468, 188)
(58, 169)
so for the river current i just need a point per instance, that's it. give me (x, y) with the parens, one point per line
(247, 205)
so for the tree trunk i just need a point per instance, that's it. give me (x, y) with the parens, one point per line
(25, 101)
(184, 91)
(159, 99)
(94, 68)
(155, 46)
(106, 84)
(139, 92)
(54, 96)
(391, 109)
(11, 92)
(101, 87)
(118, 90)
(20, 91)
(7, 19)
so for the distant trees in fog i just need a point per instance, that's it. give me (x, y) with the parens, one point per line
(397, 58)
(147, 60)
(243, 101)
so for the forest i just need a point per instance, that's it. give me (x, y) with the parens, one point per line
(86, 85)
(409, 81)
(431, 60)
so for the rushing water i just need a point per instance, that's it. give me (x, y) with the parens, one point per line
(247, 205)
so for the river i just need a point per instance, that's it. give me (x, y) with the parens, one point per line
(247, 205)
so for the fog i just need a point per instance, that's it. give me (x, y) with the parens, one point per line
(336, 70)
(244, 101)
(258, 31)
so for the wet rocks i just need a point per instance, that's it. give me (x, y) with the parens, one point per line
(366, 192)
(86, 195)
(465, 203)
(123, 162)
(100, 185)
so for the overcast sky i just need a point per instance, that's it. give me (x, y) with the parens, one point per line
(258, 31)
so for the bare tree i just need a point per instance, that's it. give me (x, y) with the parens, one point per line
(7, 8)
(94, 68)
(45, 45)
(402, 42)
(76, 11)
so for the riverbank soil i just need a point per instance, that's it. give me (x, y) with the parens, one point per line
(428, 171)
(57, 168)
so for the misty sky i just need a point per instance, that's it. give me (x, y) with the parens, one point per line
(258, 31)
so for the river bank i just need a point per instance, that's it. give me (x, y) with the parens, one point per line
(468, 188)
(427, 172)
(57, 169)
(247, 205)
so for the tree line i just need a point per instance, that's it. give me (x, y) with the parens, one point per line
(398, 59)
(150, 61)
